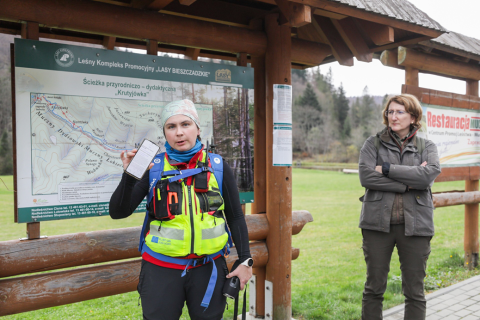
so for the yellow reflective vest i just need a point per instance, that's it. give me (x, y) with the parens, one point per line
(193, 228)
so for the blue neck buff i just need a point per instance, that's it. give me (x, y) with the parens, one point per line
(183, 156)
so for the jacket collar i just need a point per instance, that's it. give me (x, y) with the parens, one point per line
(384, 135)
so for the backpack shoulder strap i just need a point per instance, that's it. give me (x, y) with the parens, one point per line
(216, 162)
(154, 174)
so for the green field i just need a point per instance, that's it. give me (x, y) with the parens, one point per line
(327, 278)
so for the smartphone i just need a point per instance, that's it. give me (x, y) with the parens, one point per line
(142, 159)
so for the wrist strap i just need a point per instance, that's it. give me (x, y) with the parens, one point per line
(244, 308)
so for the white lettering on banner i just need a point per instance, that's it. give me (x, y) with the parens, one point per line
(455, 133)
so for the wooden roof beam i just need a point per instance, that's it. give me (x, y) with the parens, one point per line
(294, 14)
(434, 45)
(154, 5)
(216, 11)
(186, 2)
(329, 33)
(350, 11)
(353, 38)
(402, 42)
(411, 58)
(379, 33)
(329, 14)
(308, 52)
(389, 58)
(124, 22)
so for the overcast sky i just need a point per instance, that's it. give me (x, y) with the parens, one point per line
(460, 16)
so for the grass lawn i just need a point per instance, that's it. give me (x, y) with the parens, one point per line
(327, 278)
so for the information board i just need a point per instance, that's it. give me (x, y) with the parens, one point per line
(456, 132)
(78, 108)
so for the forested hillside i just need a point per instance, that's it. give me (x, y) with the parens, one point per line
(326, 124)
(6, 155)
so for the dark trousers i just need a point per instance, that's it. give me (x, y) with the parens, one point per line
(163, 291)
(413, 253)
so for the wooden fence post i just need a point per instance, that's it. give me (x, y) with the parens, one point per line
(411, 76)
(279, 182)
(470, 240)
(30, 30)
(242, 61)
(259, 206)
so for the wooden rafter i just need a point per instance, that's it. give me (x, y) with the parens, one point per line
(405, 42)
(326, 29)
(295, 14)
(347, 10)
(438, 46)
(329, 14)
(380, 34)
(389, 58)
(353, 38)
(313, 56)
(414, 59)
(186, 2)
(122, 22)
(155, 5)
(309, 32)
(216, 11)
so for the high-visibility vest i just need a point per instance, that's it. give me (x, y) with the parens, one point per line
(191, 231)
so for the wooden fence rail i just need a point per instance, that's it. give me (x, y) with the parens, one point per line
(44, 290)
(57, 252)
(455, 198)
(48, 289)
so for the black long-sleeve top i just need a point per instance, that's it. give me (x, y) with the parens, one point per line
(130, 193)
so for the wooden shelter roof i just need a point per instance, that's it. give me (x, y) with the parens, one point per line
(322, 30)
(397, 9)
(456, 43)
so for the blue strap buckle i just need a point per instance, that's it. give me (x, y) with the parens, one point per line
(207, 169)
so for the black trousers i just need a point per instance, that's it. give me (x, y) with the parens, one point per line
(413, 253)
(163, 291)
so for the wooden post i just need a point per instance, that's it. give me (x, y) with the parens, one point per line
(259, 206)
(152, 47)
(242, 61)
(109, 42)
(411, 76)
(279, 182)
(470, 240)
(30, 30)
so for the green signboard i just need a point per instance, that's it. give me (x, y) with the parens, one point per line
(78, 108)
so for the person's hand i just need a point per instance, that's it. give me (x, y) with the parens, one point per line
(424, 163)
(243, 273)
(127, 156)
(379, 169)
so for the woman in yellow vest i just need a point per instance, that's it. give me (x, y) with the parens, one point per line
(184, 239)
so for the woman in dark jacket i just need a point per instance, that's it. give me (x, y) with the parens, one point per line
(397, 168)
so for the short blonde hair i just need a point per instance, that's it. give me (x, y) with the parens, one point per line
(411, 104)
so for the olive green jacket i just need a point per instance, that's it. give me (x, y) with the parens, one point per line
(405, 170)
